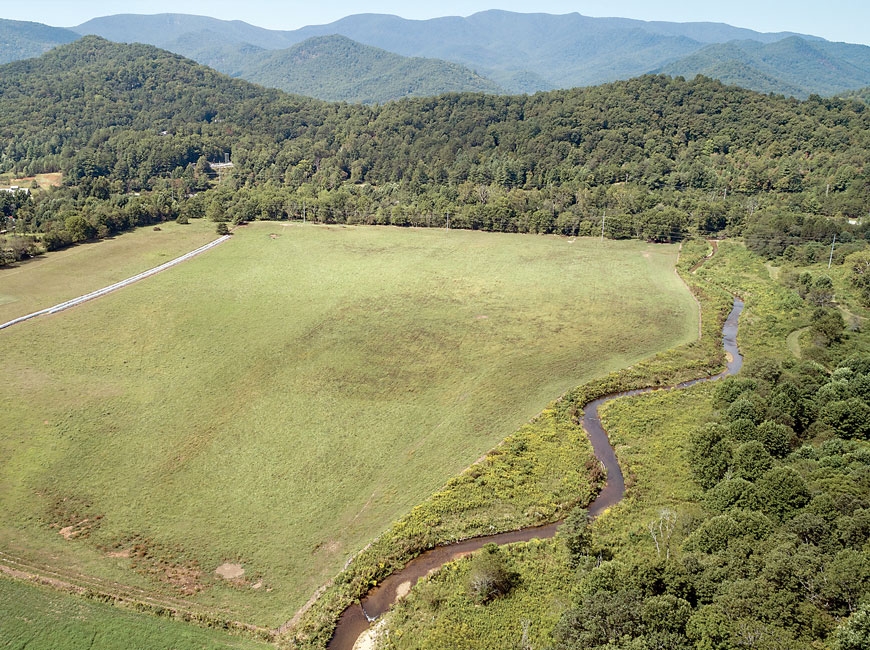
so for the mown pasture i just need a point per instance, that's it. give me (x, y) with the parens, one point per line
(40, 618)
(51, 279)
(278, 401)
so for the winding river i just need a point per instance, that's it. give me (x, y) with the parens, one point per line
(356, 618)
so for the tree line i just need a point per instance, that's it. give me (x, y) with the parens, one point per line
(133, 129)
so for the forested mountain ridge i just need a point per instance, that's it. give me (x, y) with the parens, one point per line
(335, 68)
(792, 66)
(163, 29)
(562, 50)
(511, 51)
(23, 40)
(57, 103)
(662, 157)
(520, 52)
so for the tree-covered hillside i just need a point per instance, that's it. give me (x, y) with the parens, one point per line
(792, 66)
(657, 157)
(23, 40)
(335, 68)
(521, 52)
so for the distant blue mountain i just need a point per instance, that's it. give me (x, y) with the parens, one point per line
(24, 40)
(792, 66)
(500, 50)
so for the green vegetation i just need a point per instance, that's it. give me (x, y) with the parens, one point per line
(792, 66)
(527, 53)
(221, 409)
(744, 520)
(335, 68)
(526, 475)
(22, 40)
(652, 158)
(40, 618)
(441, 613)
(78, 270)
(489, 576)
(269, 408)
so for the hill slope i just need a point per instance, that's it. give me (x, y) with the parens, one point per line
(163, 29)
(135, 114)
(335, 68)
(792, 66)
(23, 40)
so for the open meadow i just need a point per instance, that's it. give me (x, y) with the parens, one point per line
(51, 279)
(272, 405)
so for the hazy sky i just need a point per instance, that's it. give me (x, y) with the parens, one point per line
(836, 20)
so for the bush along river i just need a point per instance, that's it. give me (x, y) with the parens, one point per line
(357, 617)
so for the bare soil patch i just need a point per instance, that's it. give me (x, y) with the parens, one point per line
(67, 532)
(76, 529)
(230, 571)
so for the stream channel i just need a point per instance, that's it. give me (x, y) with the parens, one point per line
(357, 618)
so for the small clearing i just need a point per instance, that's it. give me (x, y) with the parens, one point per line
(793, 342)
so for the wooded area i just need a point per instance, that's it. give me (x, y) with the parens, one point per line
(133, 129)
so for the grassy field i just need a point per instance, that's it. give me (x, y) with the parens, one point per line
(50, 279)
(650, 434)
(438, 613)
(278, 401)
(39, 618)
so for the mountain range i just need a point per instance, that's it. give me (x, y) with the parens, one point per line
(383, 57)
(24, 40)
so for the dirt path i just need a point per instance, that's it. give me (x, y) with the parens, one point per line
(120, 595)
(793, 342)
(114, 287)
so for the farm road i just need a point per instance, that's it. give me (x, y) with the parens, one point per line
(114, 287)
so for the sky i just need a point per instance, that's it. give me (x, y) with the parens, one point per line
(835, 20)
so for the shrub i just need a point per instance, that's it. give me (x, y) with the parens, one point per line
(489, 575)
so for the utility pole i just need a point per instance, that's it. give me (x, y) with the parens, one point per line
(448, 221)
(831, 257)
(603, 217)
